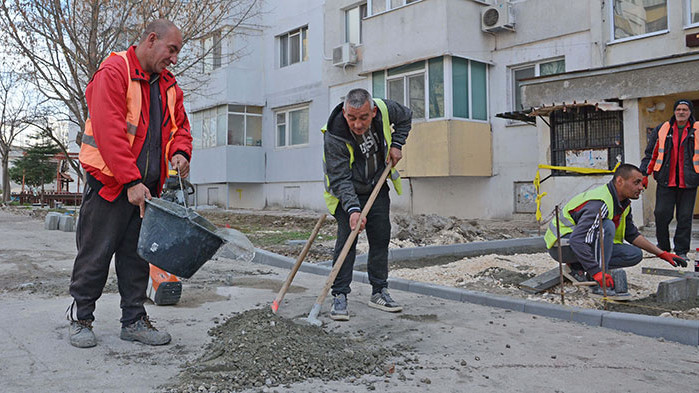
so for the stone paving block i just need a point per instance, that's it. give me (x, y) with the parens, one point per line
(673, 290)
(51, 221)
(575, 314)
(399, 284)
(506, 302)
(66, 223)
(679, 330)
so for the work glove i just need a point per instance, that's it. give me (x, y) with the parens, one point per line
(599, 276)
(645, 182)
(673, 259)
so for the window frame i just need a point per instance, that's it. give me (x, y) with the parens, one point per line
(284, 43)
(688, 15)
(287, 123)
(387, 5)
(359, 8)
(537, 73)
(213, 60)
(405, 76)
(212, 114)
(613, 40)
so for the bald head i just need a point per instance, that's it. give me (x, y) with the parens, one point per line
(160, 27)
(159, 46)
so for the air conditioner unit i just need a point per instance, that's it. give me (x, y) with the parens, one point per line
(344, 55)
(498, 17)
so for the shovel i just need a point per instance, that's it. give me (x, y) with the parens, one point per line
(313, 314)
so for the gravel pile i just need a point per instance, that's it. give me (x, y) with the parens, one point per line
(259, 349)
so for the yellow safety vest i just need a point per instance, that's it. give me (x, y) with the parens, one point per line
(600, 193)
(331, 200)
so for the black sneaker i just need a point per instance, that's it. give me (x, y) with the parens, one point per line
(383, 301)
(81, 334)
(143, 331)
(338, 311)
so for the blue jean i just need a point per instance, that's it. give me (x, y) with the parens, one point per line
(378, 232)
(616, 256)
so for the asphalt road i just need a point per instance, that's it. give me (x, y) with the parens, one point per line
(459, 346)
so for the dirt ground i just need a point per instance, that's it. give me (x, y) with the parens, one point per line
(224, 339)
(285, 233)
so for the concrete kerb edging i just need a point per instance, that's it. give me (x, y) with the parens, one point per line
(672, 329)
(463, 250)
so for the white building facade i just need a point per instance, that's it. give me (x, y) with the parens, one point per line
(257, 132)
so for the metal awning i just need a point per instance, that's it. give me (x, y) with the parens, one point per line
(529, 115)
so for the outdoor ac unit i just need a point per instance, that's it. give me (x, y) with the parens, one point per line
(344, 55)
(498, 17)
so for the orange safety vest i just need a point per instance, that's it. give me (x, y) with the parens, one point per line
(89, 152)
(657, 161)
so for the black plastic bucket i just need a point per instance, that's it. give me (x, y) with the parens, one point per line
(176, 239)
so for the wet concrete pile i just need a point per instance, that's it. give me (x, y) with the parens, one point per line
(257, 348)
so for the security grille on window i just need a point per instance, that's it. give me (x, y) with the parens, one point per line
(293, 47)
(586, 137)
(292, 127)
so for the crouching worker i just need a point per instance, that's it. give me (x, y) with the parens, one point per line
(579, 228)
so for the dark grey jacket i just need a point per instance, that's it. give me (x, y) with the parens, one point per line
(345, 182)
(586, 229)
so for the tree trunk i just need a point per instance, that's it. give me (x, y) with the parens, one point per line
(6, 178)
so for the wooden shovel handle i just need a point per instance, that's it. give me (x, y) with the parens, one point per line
(353, 235)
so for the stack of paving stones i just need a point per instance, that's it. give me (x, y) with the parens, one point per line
(58, 221)
(259, 349)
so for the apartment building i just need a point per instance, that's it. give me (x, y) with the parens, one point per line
(458, 64)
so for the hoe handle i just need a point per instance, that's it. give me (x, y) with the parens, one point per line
(299, 260)
(353, 235)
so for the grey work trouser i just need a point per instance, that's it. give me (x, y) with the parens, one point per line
(616, 255)
(107, 229)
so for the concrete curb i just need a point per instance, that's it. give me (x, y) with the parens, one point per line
(463, 250)
(671, 329)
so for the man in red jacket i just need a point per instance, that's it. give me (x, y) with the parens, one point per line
(137, 125)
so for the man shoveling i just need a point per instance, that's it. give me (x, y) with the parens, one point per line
(579, 228)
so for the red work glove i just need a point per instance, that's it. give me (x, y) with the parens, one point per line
(673, 259)
(607, 279)
(645, 182)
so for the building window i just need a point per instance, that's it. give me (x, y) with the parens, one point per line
(239, 125)
(353, 24)
(469, 89)
(244, 125)
(632, 18)
(211, 52)
(420, 86)
(692, 12)
(530, 71)
(586, 137)
(378, 6)
(292, 127)
(293, 47)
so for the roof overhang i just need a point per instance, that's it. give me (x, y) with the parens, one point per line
(648, 78)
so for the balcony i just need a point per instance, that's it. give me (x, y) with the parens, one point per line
(228, 164)
(448, 148)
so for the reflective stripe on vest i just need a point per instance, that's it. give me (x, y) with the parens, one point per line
(331, 201)
(89, 151)
(567, 223)
(657, 162)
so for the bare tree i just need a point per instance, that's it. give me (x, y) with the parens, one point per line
(63, 42)
(14, 107)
